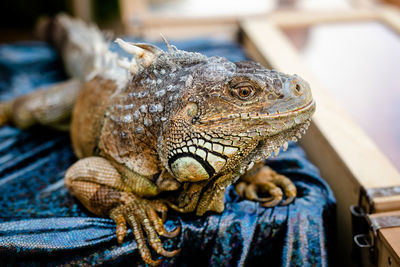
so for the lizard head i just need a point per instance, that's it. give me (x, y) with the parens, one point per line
(244, 99)
(234, 114)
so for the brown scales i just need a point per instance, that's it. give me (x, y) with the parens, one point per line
(167, 121)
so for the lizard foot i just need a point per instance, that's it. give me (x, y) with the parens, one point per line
(261, 180)
(141, 215)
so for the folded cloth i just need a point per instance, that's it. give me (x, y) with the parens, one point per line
(40, 223)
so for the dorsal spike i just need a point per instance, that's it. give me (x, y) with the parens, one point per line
(145, 57)
(130, 48)
(170, 48)
(123, 63)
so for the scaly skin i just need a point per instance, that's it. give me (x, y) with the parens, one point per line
(179, 122)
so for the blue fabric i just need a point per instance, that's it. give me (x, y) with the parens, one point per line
(40, 223)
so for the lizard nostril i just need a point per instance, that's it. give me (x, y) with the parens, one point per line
(298, 89)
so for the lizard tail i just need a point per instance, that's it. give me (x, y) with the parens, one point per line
(83, 47)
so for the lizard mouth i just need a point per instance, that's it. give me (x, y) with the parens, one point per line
(310, 106)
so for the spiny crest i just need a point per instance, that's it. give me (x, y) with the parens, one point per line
(182, 57)
(144, 55)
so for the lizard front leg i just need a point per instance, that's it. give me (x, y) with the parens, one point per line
(262, 179)
(100, 188)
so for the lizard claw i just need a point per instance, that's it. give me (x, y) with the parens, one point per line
(288, 200)
(267, 181)
(173, 233)
(121, 228)
(145, 222)
(271, 203)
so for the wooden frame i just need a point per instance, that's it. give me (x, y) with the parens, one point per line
(139, 21)
(346, 157)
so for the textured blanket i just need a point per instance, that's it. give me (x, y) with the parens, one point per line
(40, 223)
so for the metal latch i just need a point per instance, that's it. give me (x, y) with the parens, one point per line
(365, 229)
(363, 252)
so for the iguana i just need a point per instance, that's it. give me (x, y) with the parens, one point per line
(164, 129)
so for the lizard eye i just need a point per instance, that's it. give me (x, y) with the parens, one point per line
(243, 91)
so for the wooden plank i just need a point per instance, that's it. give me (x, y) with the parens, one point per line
(226, 31)
(393, 2)
(364, 3)
(82, 9)
(389, 247)
(138, 19)
(148, 20)
(130, 9)
(296, 18)
(346, 157)
(382, 204)
(384, 214)
(390, 16)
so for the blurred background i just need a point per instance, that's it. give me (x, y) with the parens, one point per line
(18, 17)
